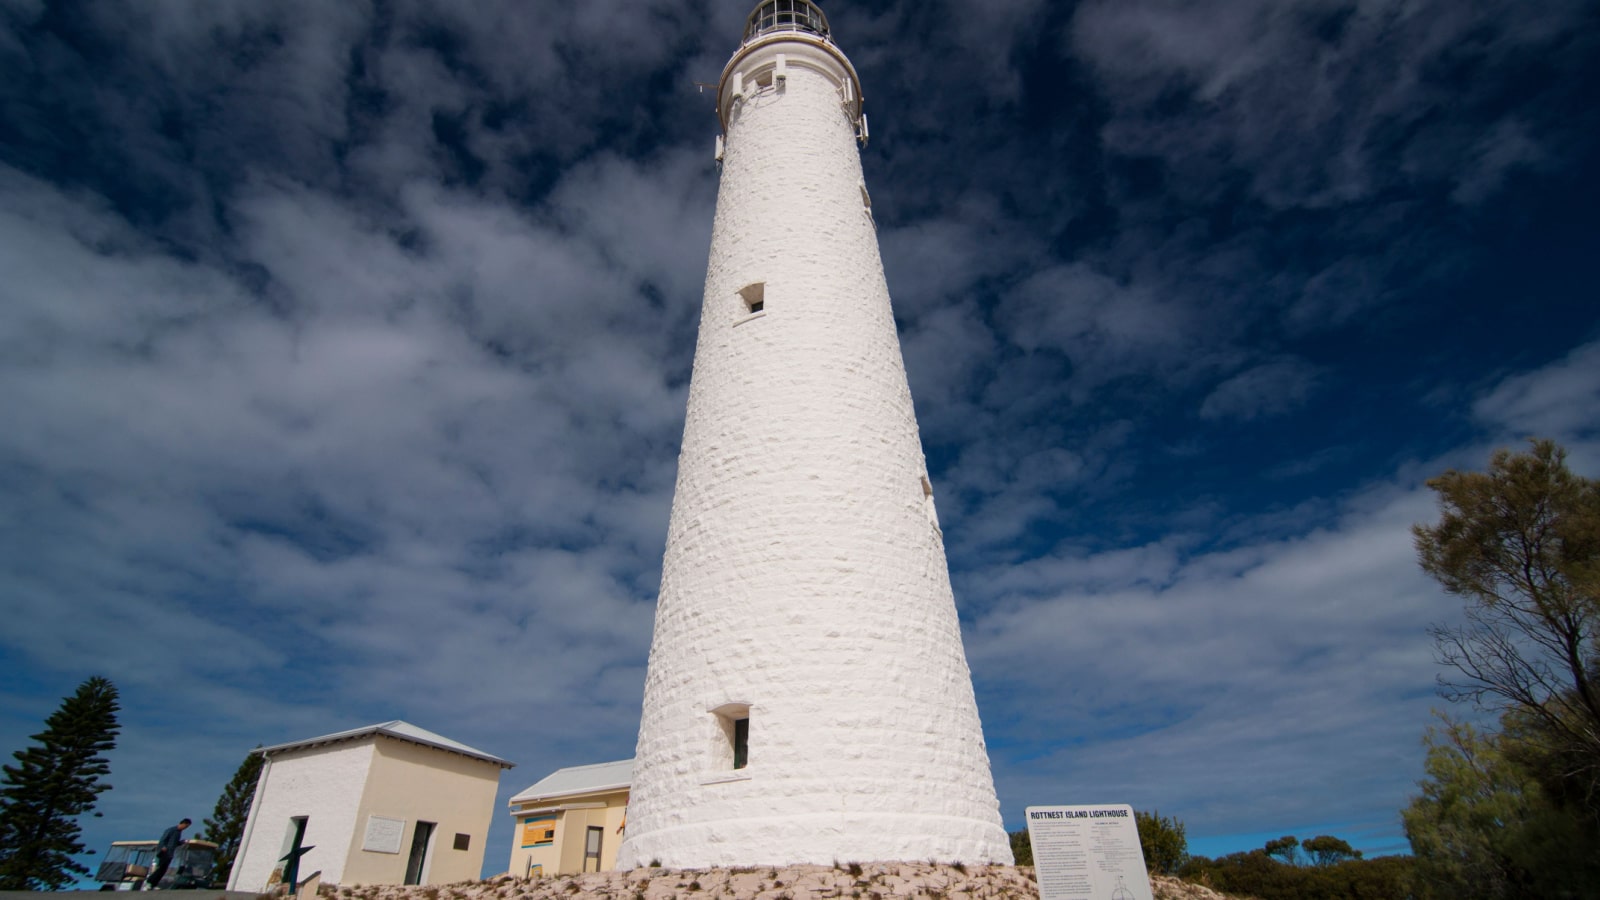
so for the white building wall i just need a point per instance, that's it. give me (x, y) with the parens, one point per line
(804, 572)
(324, 784)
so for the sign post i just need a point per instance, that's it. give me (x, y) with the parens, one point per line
(1087, 853)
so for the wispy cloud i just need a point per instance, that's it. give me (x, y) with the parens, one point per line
(1220, 89)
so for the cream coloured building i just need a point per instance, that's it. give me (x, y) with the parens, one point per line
(384, 804)
(571, 821)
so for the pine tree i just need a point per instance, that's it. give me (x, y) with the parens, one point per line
(225, 828)
(52, 785)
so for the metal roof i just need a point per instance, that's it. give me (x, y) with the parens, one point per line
(611, 776)
(404, 731)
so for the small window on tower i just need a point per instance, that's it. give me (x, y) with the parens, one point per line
(733, 727)
(741, 742)
(754, 297)
(764, 79)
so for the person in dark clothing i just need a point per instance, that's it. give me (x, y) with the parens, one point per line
(165, 849)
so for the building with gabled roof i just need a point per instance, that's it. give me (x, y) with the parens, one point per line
(389, 803)
(571, 820)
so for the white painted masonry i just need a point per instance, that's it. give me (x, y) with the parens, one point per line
(804, 583)
(324, 785)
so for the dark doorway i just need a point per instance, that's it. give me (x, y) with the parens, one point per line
(419, 852)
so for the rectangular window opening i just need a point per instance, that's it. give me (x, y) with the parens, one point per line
(741, 742)
(730, 751)
(754, 296)
(463, 841)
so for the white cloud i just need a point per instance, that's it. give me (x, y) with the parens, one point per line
(1557, 401)
(1226, 687)
(427, 483)
(1106, 327)
(1337, 82)
(1264, 390)
(1505, 149)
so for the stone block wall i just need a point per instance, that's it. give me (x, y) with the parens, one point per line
(804, 582)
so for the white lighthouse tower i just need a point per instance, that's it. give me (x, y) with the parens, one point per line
(808, 699)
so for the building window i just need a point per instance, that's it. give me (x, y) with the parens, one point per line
(785, 15)
(741, 742)
(732, 750)
(754, 297)
(462, 841)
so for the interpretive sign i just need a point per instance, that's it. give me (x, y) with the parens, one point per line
(1087, 853)
(383, 834)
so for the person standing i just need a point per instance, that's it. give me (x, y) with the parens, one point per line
(166, 848)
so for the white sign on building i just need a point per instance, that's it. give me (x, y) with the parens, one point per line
(1087, 853)
(383, 834)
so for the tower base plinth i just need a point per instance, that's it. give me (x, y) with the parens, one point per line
(820, 839)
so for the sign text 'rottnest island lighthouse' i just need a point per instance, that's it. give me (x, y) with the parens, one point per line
(808, 699)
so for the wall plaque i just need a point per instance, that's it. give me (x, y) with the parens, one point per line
(383, 834)
(1087, 853)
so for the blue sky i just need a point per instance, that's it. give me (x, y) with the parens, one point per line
(344, 351)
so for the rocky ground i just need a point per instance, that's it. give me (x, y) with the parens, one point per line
(873, 881)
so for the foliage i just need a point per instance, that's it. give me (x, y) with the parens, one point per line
(1520, 544)
(225, 827)
(1257, 874)
(1021, 847)
(1163, 840)
(1483, 827)
(52, 785)
(1515, 813)
(1326, 850)
(1285, 849)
